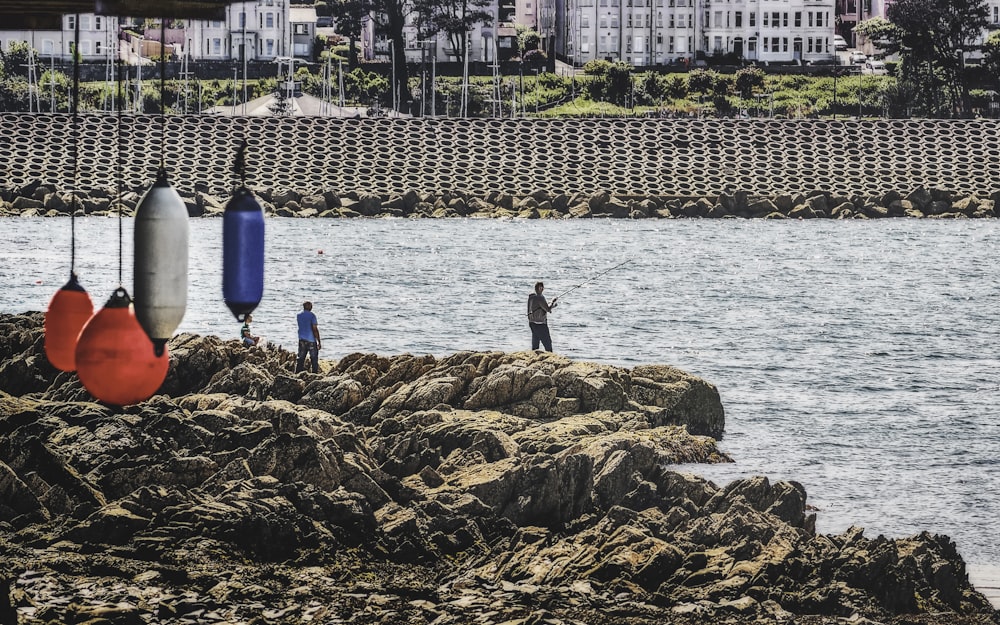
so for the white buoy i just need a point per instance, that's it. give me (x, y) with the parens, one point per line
(161, 261)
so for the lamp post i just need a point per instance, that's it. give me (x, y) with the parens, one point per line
(536, 91)
(861, 81)
(835, 72)
(392, 87)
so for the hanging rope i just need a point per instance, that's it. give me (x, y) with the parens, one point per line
(74, 202)
(240, 163)
(163, 101)
(118, 164)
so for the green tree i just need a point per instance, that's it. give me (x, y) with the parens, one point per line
(389, 18)
(528, 39)
(597, 67)
(991, 54)
(747, 79)
(932, 37)
(701, 80)
(454, 18)
(881, 32)
(15, 59)
(349, 14)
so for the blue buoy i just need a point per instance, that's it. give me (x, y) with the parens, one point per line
(242, 253)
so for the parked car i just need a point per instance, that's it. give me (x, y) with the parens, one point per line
(839, 43)
(857, 57)
(875, 68)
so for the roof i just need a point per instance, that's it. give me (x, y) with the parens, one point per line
(206, 9)
(302, 15)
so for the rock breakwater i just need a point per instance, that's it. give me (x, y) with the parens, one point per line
(40, 199)
(477, 488)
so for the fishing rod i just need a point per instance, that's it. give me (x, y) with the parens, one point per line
(591, 279)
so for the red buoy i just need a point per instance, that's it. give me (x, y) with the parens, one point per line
(114, 355)
(69, 309)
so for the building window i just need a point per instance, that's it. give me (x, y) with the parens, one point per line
(47, 46)
(243, 20)
(739, 19)
(97, 23)
(718, 19)
(753, 19)
(784, 20)
(84, 22)
(97, 47)
(301, 29)
(84, 47)
(269, 20)
(798, 19)
(766, 20)
(71, 22)
(670, 45)
(784, 44)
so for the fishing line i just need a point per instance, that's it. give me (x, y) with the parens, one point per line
(606, 271)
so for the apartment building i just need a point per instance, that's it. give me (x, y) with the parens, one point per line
(253, 29)
(653, 32)
(495, 40)
(98, 36)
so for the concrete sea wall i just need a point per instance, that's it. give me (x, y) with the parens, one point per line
(625, 157)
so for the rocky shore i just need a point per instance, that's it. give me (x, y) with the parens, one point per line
(492, 488)
(40, 199)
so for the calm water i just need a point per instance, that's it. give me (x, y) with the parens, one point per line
(855, 357)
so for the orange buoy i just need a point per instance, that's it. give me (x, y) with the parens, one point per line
(69, 309)
(114, 356)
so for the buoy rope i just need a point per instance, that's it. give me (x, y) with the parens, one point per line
(163, 100)
(118, 164)
(76, 144)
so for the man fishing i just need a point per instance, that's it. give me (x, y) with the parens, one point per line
(538, 310)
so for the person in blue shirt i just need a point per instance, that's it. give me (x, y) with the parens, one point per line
(309, 341)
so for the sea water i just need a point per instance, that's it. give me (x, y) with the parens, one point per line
(855, 357)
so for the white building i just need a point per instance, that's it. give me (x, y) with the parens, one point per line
(251, 30)
(260, 29)
(495, 40)
(98, 35)
(651, 32)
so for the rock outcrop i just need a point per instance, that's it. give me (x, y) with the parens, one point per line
(809, 204)
(476, 488)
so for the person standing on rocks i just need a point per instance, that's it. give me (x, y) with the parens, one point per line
(538, 310)
(309, 341)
